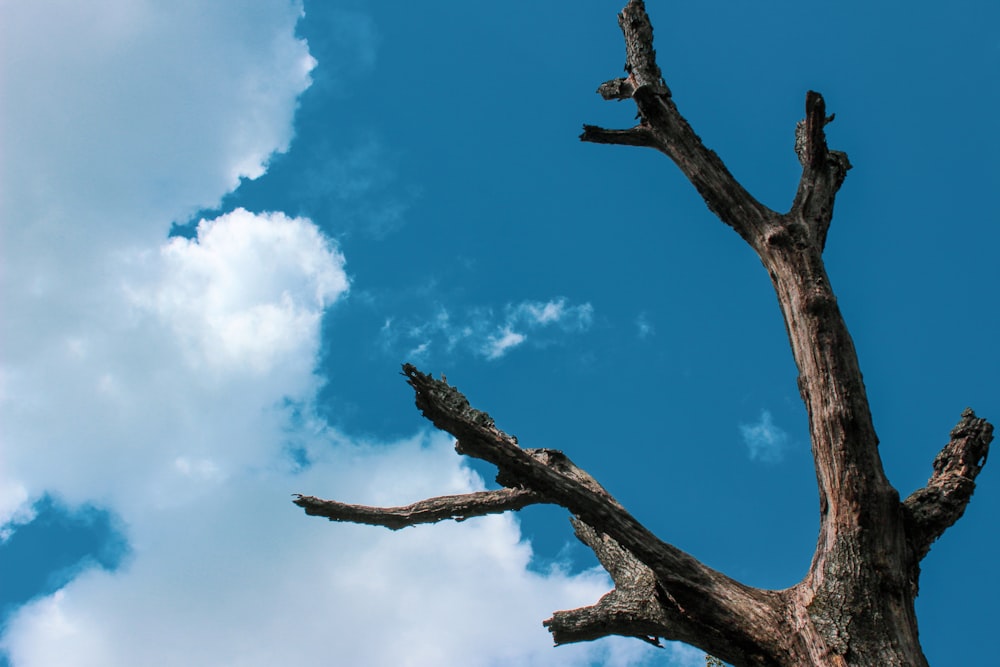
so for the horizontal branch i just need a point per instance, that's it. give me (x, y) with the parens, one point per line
(432, 510)
(942, 501)
(639, 135)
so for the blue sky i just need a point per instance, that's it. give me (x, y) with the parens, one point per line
(225, 225)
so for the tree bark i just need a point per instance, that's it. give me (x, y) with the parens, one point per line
(855, 607)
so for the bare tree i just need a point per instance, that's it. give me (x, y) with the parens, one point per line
(856, 604)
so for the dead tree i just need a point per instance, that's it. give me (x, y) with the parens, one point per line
(856, 604)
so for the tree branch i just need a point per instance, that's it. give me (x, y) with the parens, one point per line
(857, 599)
(823, 170)
(664, 129)
(543, 470)
(942, 501)
(853, 490)
(432, 510)
(640, 61)
(640, 135)
(632, 609)
(739, 618)
(660, 590)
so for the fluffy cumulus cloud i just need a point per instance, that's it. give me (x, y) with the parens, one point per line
(119, 96)
(117, 118)
(168, 381)
(182, 374)
(765, 441)
(244, 578)
(248, 291)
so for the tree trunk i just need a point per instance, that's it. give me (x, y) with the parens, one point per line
(855, 606)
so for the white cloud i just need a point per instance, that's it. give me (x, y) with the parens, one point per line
(533, 315)
(15, 510)
(178, 379)
(764, 440)
(208, 586)
(249, 290)
(166, 380)
(499, 344)
(552, 312)
(545, 313)
(119, 96)
(482, 332)
(117, 118)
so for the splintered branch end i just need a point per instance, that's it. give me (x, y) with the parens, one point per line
(942, 501)
(823, 170)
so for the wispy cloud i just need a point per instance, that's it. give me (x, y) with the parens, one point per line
(483, 332)
(570, 318)
(765, 441)
(498, 344)
(644, 329)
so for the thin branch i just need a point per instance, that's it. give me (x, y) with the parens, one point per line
(432, 510)
(942, 501)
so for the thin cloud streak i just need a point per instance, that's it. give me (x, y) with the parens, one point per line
(482, 333)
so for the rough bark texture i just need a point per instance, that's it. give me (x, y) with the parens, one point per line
(855, 605)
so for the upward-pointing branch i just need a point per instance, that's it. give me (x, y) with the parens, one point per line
(662, 127)
(851, 481)
(942, 501)
(823, 170)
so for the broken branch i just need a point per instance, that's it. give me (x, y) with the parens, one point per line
(640, 135)
(823, 170)
(942, 501)
(702, 596)
(432, 510)
(632, 609)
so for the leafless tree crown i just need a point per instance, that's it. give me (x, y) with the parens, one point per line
(855, 605)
